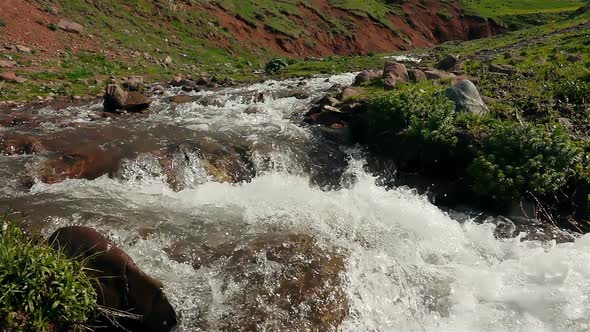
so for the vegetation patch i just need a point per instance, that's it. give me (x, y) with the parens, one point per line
(40, 289)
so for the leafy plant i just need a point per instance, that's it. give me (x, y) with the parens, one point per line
(275, 65)
(52, 26)
(40, 289)
(573, 91)
(516, 161)
(425, 116)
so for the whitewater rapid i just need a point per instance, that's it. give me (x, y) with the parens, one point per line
(409, 265)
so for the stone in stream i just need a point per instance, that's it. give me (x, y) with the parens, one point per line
(466, 98)
(116, 98)
(118, 282)
(282, 281)
(394, 73)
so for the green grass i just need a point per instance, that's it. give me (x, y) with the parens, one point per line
(40, 289)
(499, 8)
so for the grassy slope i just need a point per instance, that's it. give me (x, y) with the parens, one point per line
(164, 29)
(494, 8)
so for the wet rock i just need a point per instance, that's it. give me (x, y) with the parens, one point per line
(82, 165)
(502, 69)
(182, 99)
(338, 132)
(116, 99)
(574, 58)
(287, 282)
(328, 100)
(416, 75)
(11, 77)
(449, 63)
(7, 64)
(19, 145)
(350, 92)
(253, 110)
(394, 73)
(20, 120)
(365, 76)
(466, 98)
(118, 282)
(70, 27)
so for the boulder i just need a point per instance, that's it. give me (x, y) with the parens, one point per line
(365, 76)
(7, 64)
(182, 99)
(282, 282)
(466, 98)
(416, 75)
(24, 49)
(118, 282)
(116, 98)
(349, 92)
(502, 69)
(437, 75)
(11, 77)
(328, 100)
(449, 63)
(70, 27)
(394, 73)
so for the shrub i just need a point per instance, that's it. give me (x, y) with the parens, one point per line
(576, 92)
(52, 26)
(424, 116)
(515, 161)
(40, 289)
(275, 65)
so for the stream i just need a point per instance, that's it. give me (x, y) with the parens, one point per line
(184, 187)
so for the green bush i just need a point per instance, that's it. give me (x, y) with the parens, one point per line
(275, 65)
(516, 161)
(52, 26)
(40, 289)
(576, 92)
(427, 117)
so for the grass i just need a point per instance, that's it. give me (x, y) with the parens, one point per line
(41, 289)
(495, 8)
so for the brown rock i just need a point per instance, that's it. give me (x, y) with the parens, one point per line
(449, 63)
(437, 75)
(11, 77)
(118, 282)
(394, 73)
(24, 49)
(116, 98)
(182, 99)
(349, 92)
(574, 58)
(69, 26)
(365, 76)
(7, 64)
(416, 75)
(502, 69)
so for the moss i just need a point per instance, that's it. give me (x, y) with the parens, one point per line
(41, 289)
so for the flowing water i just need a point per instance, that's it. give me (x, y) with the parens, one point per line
(408, 266)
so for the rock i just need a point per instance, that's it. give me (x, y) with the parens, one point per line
(437, 75)
(416, 75)
(365, 76)
(69, 26)
(11, 77)
(394, 73)
(116, 98)
(118, 282)
(338, 133)
(449, 63)
(273, 277)
(24, 49)
(466, 98)
(566, 123)
(182, 99)
(168, 60)
(134, 83)
(253, 110)
(7, 64)
(329, 100)
(574, 58)
(349, 92)
(502, 69)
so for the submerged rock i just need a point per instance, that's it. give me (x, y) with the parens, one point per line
(118, 282)
(466, 98)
